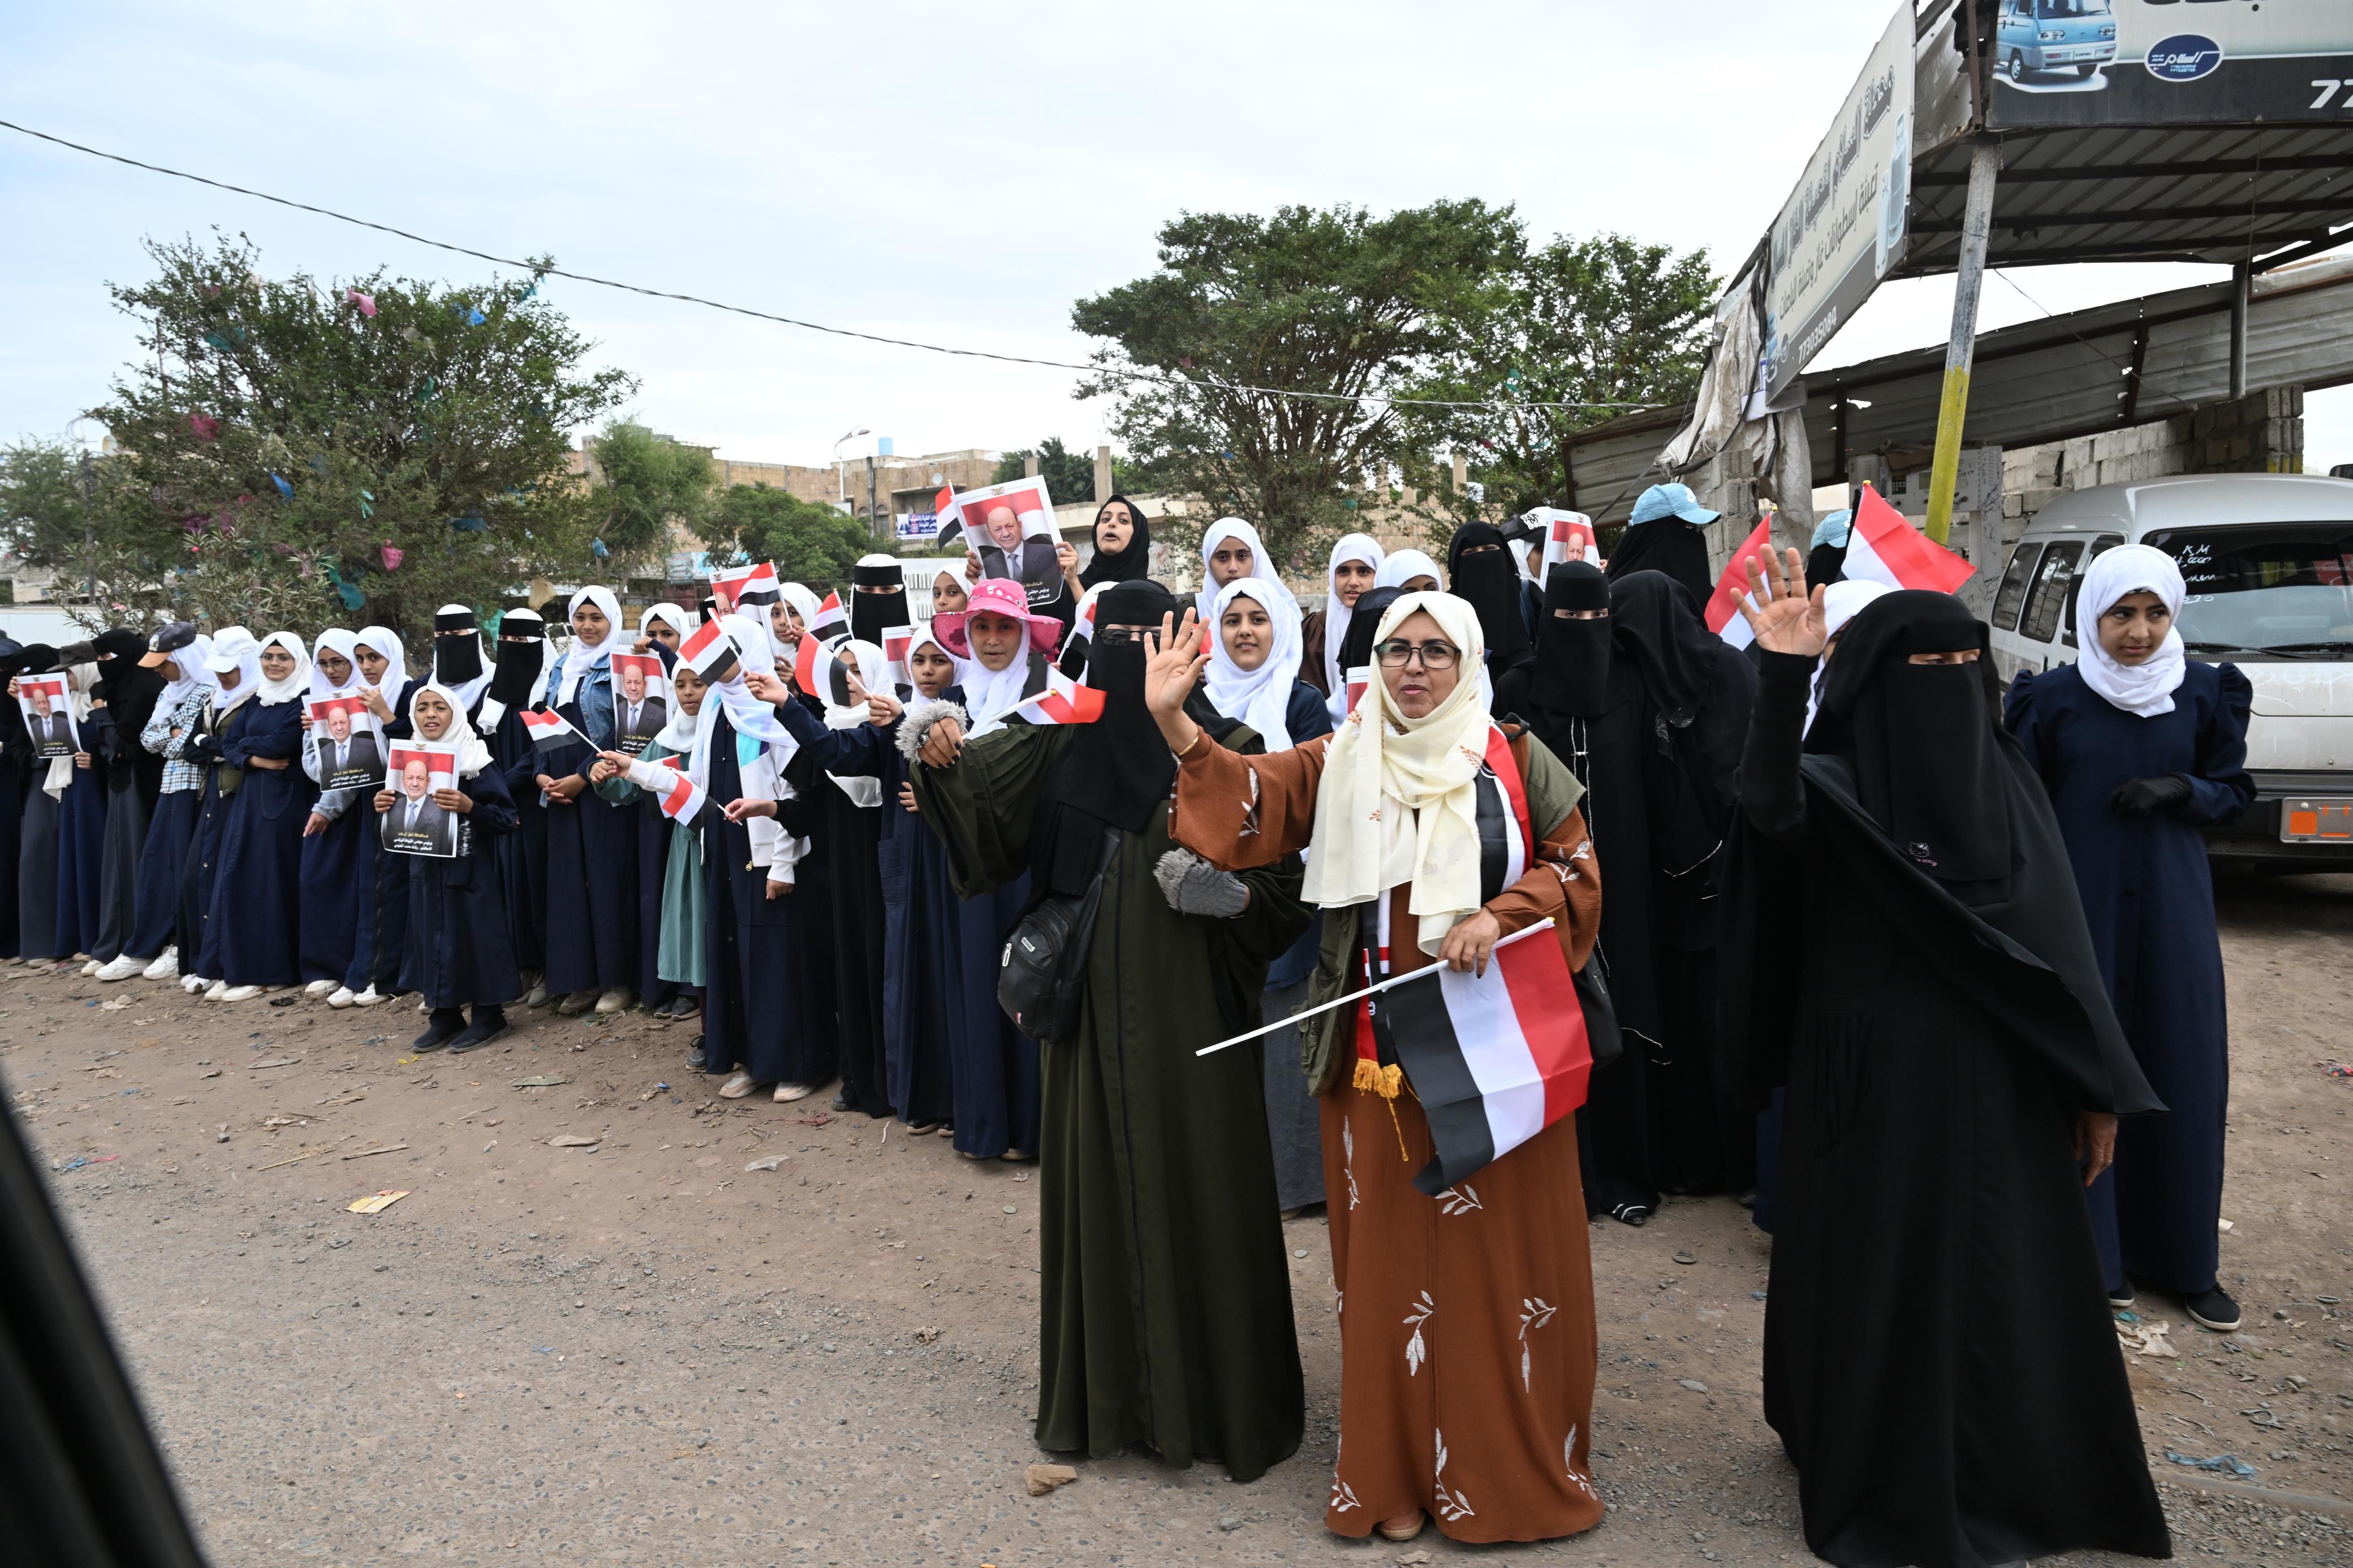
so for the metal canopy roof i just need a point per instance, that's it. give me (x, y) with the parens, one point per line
(2187, 193)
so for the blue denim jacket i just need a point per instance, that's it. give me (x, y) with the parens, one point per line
(591, 705)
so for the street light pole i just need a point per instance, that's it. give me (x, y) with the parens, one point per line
(841, 472)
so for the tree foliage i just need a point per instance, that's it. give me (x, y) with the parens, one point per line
(809, 541)
(647, 480)
(286, 460)
(1070, 476)
(1334, 302)
(1597, 321)
(41, 511)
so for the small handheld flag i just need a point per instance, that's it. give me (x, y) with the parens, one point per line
(1883, 547)
(758, 586)
(1724, 616)
(831, 618)
(680, 798)
(1064, 701)
(548, 729)
(709, 652)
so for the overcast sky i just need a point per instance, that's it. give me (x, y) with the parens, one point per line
(954, 173)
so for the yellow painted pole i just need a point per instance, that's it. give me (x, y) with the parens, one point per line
(1960, 350)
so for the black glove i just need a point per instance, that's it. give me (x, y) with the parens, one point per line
(2139, 797)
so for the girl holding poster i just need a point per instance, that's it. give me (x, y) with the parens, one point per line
(251, 929)
(678, 875)
(592, 863)
(343, 757)
(381, 907)
(459, 952)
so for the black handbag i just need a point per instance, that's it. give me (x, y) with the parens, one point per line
(1601, 1033)
(1041, 977)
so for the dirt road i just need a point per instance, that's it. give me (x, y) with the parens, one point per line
(636, 1347)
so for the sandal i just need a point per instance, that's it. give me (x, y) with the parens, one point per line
(788, 1093)
(1391, 1530)
(919, 1128)
(736, 1087)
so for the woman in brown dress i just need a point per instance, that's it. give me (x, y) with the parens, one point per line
(1467, 1359)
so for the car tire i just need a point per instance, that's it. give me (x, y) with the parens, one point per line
(2016, 65)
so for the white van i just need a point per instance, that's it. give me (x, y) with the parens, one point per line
(2268, 561)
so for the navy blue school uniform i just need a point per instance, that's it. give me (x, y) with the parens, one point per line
(256, 918)
(654, 835)
(920, 1004)
(851, 837)
(592, 856)
(2149, 900)
(81, 855)
(767, 976)
(330, 888)
(522, 854)
(196, 942)
(154, 924)
(132, 776)
(380, 888)
(458, 953)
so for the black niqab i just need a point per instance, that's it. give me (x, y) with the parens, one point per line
(1656, 628)
(1364, 624)
(1920, 738)
(1667, 544)
(872, 614)
(1489, 580)
(1118, 769)
(1130, 564)
(128, 691)
(457, 648)
(1573, 656)
(514, 677)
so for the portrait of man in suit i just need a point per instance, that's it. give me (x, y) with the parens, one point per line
(637, 715)
(348, 756)
(49, 719)
(417, 823)
(1032, 561)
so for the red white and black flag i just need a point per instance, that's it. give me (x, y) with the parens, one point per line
(548, 729)
(709, 652)
(831, 619)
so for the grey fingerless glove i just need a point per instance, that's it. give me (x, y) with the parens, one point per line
(915, 723)
(1194, 887)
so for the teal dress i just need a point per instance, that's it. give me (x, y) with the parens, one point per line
(679, 956)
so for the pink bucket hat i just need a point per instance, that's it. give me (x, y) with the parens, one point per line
(997, 596)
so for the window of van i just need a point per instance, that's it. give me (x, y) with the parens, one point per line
(2280, 589)
(2048, 598)
(2010, 597)
(2100, 547)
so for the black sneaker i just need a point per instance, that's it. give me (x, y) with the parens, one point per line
(447, 1023)
(480, 1033)
(2122, 1297)
(2214, 1310)
(841, 1099)
(696, 1060)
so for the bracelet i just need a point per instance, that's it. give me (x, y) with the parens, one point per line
(1198, 733)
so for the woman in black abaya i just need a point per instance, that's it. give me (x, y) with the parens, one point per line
(1667, 535)
(1485, 575)
(1907, 954)
(1691, 714)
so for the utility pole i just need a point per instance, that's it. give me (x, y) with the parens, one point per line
(874, 517)
(2242, 285)
(88, 529)
(1960, 348)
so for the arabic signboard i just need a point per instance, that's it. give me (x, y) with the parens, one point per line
(2170, 62)
(1844, 227)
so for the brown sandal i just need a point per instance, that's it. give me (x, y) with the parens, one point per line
(1390, 1531)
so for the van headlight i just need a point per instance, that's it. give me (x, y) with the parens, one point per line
(2053, 36)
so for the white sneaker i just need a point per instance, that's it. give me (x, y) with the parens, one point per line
(341, 997)
(323, 988)
(123, 968)
(367, 998)
(617, 1000)
(238, 994)
(216, 989)
(92, 967)
(165, 967)
(194, 984)
(537, 995)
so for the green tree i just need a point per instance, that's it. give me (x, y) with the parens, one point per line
(1334, 306)
(287, 459)
(647, 480)
(1070, 476)
(809, 541)
(1591, 323)
(41, 511)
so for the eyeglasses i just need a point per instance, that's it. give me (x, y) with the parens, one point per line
(1433, 655)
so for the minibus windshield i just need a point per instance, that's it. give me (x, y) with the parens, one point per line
(2283, 589)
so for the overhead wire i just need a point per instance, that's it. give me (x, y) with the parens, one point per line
(542, 269)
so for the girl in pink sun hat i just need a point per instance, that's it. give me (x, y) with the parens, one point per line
(1003, 645)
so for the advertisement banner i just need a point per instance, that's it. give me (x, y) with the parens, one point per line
(2170, 62)
(1844, 227)
(918, 525)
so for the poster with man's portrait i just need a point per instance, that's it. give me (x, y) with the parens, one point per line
(640, 700)
(1011, 528)
(417, 823)
(348, 741)
(49, 715)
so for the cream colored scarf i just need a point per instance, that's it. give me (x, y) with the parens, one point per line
(1399, 801)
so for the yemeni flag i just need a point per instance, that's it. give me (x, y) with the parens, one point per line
(710, 653)
(1493, 1058)
(1885, 548)
(758, 585)
(1083, 628)
(1064, 701)
(1359, 681)
(1724, 616)
(680, 798)
(832, 620)
(548, 729)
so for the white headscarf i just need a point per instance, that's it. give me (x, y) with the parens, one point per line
(384, 641)
(677, 735)
(804, 604)
(1400, 799)
(1262, 565)
(751, 718)
(955, 569)
(233, 648)
(584, 657)
(2145, 690)
(336, 640)
(190, 662)
(677, 619)
(926, 637)
(296, 685)
(1405, 566)
(990, 694)
(472, 755)
(1337, 615)
(874, 674)
(1260, 698)
(1841, 602)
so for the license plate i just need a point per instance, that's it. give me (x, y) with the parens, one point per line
(2317, 822)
